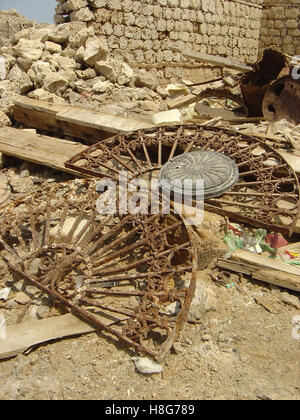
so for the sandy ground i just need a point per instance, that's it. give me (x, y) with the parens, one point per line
(239, 351)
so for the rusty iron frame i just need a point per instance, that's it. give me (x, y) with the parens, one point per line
(88, 262)
(265, 178)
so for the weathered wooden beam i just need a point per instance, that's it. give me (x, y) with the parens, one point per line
(212, 59)
(22, 336)
(77, 122)
(99, 121)
(277, 278)
(43, 150)
(262, 268)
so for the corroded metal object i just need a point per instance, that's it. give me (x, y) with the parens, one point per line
(224, 94)
(266, 195)
(127, 268)
(218, 172)
(255, 83)
(282, 100)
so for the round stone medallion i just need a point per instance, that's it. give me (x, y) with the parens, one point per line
(218, 172)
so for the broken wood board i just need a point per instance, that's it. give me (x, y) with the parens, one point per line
(77, 122)
(20, 337)
(264, 262)
(182, 101)
(186, 100)
(35, 148)
(212, 59)
(46, 120)
(106, 122)
(275, 277)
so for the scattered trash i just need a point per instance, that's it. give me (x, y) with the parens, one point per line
(276, 240)
(146, 365)
(4, 293)
(253, 241)
(233, 242)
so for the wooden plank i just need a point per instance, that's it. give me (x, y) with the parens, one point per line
(42, 106)
(106, 122)
(275, 277)
(293, 247)
(41, 119)
(212, 59)
(246, 120)
(264, 262)
(78, 122)
(20, 337)
(182, 101)
(43, 150)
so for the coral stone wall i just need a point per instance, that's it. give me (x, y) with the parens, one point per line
(280, 26)
(142, 32)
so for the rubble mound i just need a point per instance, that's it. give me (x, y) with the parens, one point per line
(69, 63)
(12, 22)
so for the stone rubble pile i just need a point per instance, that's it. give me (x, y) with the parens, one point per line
(69, 63)
(12, 22)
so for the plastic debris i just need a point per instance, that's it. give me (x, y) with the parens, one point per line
(276, 240)
(236, 229)
(247, 240)
(230, 285)
(146, 365)
(233, 242)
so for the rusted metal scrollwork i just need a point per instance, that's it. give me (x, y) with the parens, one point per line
(266, 195)
(127, 268)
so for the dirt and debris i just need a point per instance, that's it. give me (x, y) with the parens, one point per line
(241, 337)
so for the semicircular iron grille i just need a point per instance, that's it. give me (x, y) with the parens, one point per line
(266, 195)
(135, 272)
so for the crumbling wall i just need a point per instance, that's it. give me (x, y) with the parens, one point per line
(12, 22)
(142, 32)
(280, 26)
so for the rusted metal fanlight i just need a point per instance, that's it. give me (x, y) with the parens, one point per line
(266, 194)
(127, 268)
